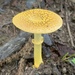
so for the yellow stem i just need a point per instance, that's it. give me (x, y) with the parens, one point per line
(38, 39)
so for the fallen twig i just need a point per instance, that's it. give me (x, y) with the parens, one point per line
(7, 23)
(21, 67)
(67, 23)
(24, 52)
(61, 6)
(13, 45)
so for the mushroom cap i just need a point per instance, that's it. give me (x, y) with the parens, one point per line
(37, 21)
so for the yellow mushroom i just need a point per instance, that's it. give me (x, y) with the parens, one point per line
(37, 21)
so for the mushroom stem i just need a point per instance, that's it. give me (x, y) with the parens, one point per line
(38, 39)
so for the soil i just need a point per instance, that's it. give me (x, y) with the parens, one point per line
(53, 65)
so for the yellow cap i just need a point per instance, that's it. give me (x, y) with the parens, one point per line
(37, 21)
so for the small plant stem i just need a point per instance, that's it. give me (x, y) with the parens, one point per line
(70, 56)
(37, 50)
(64, 57)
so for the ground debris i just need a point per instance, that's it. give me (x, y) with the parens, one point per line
(21, 67)
(49, 2)
(46, 51)
(73, 17)
(1, 10)
(24, 52)
(48, 40)
(55, 69)
(35, 4)
(67, 15)
(13, 45)
(63, 49)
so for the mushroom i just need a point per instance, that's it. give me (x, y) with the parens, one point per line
(37, 21)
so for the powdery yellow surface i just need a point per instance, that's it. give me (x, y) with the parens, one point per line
(37, 21)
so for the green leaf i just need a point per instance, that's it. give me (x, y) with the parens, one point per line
(73, 60)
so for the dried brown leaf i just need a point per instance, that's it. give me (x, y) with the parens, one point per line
(63, 49)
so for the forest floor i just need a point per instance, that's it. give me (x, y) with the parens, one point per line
(63, 41)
